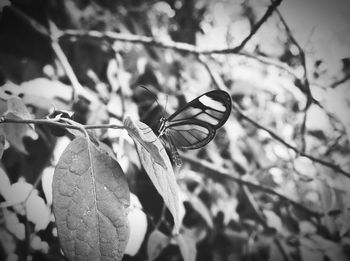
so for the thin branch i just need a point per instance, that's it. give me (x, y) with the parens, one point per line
(305, 83)
(177, 46)
(59, 124)
(261, 218)
(302, 132)
(220, 174)
(78, 89)
(340, 81)
(296, 150)
(220, 85)
(30, 21)
(256, 27)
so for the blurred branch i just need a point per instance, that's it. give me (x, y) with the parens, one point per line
(220, 174)
(177, 46)
(305, 81)
(220, 85)
(256, 27)
(305, 85)
(341, 81)
(261, 218)
(54, 122)
(296, 150)
(78, 89)
(62, 58)
(302, 132)
(30, 21)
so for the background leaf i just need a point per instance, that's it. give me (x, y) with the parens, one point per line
(90, 197)
(157, 241)
(16, 132)
(187, 246)
(138, 226)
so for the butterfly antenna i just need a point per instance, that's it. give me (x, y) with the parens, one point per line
(154, 96)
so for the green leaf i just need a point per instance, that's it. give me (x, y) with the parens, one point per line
(90, 201)
(157, 165)
(157, 241)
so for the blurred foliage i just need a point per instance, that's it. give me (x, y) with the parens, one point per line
(289, 207)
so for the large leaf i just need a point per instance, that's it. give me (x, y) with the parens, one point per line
(157, 165)
(90, 199)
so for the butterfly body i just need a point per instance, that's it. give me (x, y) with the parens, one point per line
(195, 124)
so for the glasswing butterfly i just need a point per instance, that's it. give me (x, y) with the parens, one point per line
(195, 124)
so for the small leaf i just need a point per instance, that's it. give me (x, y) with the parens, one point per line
(273, 220)
(157, 165)
(37, 211)
(4, 182)
(187, 246)
(138, 226)
(202, 209)
(17, 109)
(13, 225)
(46, 183)
(18, 192)
(15, 132)
(157, 241)
(7, 242)
(2, 141)
(90, 199)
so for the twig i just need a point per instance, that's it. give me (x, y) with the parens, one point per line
(340, 81)
(261, 219)
(305, 83)
(219, 174)
(220, 85)
(78, 89)
(302, 132)
(256, 27)
(181, 47)
(296, 150)
(59, 124)
(30, 21)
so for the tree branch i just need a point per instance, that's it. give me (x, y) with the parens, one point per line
(220, 85)
(305, 81)
(340, 81)
(256, 27)
(53, 122)
(220, 174)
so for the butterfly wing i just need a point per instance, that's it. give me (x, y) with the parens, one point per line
(195, 124)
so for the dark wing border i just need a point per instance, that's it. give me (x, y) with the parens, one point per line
(217, 95)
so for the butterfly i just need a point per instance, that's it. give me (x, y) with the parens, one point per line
(195, 124)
